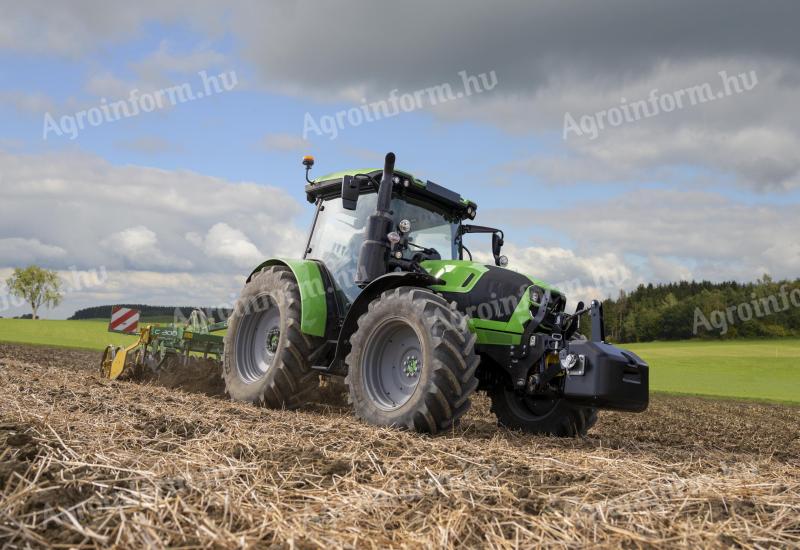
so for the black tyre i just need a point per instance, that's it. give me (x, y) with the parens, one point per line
(412, 362)
(266, 356)
(541, 415)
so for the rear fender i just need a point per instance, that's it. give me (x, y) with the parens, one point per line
(313, 302)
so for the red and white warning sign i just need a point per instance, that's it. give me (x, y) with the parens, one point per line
(124, 320)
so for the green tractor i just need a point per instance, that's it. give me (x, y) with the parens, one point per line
(384, 297)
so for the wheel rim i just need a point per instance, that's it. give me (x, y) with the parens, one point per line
(257, 342)
(392, 364)
(532, 408)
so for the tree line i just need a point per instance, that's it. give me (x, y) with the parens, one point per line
(690, 309)
(104, 312)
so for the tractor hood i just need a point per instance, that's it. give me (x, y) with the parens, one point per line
(489, 292)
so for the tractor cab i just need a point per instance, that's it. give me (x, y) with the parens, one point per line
(425, 222)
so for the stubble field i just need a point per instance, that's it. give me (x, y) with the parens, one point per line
(85, 462)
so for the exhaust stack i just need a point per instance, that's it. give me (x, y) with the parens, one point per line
(373, 255)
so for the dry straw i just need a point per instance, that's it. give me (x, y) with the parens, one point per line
(90, 463)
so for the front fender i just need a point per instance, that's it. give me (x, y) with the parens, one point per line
(313, 303)
(371, 291)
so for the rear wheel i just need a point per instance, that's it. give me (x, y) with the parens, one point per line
(266, 355)
(412, 362)
(541, 415)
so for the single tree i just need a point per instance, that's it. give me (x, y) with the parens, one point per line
(39, 287)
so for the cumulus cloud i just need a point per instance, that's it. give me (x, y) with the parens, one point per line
(138, 246)
(162, 68)
(580, 276)
(18, 251)
(140, 216)
(226, 243)
(663, 234)
(165, 61)
(140, 226)
(58, 29)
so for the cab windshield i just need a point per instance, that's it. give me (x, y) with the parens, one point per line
(338, 234)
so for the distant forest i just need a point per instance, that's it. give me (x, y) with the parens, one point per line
(678, 311)
(163, 312)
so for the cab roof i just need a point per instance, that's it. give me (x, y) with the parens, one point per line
(330, 186)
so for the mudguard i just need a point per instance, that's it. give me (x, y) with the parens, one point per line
(314, 306)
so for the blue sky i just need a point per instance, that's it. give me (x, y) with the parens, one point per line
(173, 205)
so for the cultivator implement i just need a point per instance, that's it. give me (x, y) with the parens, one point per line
(161, 345)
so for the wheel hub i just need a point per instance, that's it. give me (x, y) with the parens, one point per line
(257, 341)
(411, 365)
(392, 364)
(273, 337)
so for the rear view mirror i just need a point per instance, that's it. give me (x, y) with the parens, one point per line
(497, 247)
(349, 192)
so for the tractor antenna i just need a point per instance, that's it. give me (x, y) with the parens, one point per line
(308, 162)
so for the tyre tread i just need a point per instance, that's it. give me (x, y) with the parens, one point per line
(454, 364)
(293, 383)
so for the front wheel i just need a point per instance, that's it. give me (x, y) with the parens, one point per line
(541, 415)
(412, 362)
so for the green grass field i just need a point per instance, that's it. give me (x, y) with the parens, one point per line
(89, 334)
(763, 370)
(751, 369)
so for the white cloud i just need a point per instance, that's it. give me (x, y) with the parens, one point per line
(674, 234)
(19, 252)
(665, 269)
(226, 243)
(160, 236)
(160, 64)
(141, 214)
(579, 276)
(138, 246)
(160, 69)
(70, 30)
